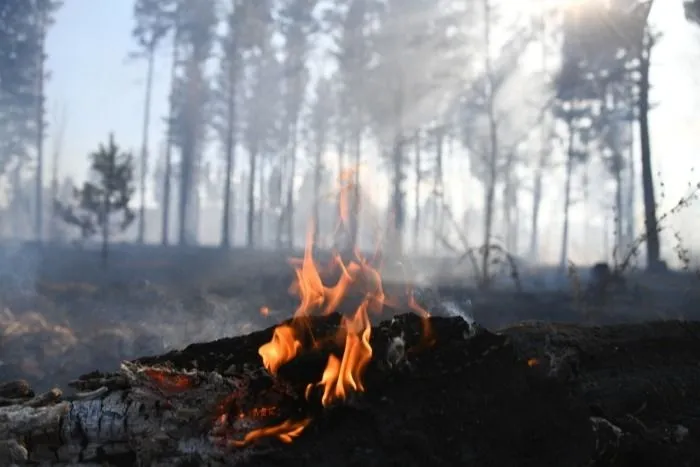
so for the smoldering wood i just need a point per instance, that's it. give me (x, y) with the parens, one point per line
(531, 395)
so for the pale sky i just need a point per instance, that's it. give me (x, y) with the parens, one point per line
(102, 91)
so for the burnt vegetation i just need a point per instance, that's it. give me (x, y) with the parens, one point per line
(363, 232)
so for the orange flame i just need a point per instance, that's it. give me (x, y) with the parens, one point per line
(283, 347)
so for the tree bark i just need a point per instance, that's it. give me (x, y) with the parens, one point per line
(419, 180)
(563, 260)
(250, 224)
(650, 221)
(167, 176)
(144, 144)
(41, 61)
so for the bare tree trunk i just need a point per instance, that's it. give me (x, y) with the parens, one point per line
(419, 180)
(397, 199)
(563, 261)
(536, 204)
(250, 224)
(357, 192)
(57, 147)
(650, 221)
(493, 148)
(41, 60)
(619, 211)
(290, 188)
(438, 186)
(226, 230)
(631, 189)
(260, 225)
(317, 194)
(167, 176)
(144, 145)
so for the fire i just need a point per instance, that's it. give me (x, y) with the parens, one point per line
(341, 375)
(283, 347)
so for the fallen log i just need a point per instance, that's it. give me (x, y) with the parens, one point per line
(532, 395)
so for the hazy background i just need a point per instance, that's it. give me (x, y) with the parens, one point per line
(101, 91)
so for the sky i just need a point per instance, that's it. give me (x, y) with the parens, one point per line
(101, 91)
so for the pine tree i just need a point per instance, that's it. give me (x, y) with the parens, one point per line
(102, 204)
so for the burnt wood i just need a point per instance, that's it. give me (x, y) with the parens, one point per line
(530, 395)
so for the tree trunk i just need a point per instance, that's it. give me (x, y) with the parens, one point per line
(357, 192)
(631, 190)
(563, 261)
(260, 224)
(317, 194)
(650, 221)
(438, 187)
(250, 224)
(419, 180)
(493, 150)
(397, 199)
(41, 60)
(619, 212)
(290, 188)
(226, 230)
(536, 204)
(144, 144)
(167, 176)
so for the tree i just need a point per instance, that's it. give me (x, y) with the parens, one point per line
(246, 23)
(297, 25)
(575, 106)
(104, 197)
(622, 28)
(192, 94)
(23, 29)
(487, 133)
(692, 11)
(319, 129)
(153, 20)
(260, 131)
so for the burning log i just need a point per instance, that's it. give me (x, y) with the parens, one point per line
(533, 395)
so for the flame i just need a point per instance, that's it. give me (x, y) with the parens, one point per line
(343, 375)
(283, 347)
(532, 362)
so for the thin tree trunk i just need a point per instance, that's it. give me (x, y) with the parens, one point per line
(419, 179)
(563, 261)
(167, 176)
(230, 158)
(250, 224)
(144, 144)
(493, 149)
(619, 212)
(260, 225)
(437, 187)
(317, 194)
(397, 199)
(631, 189)
(40, 132)
(650, 221)
(357, 192)
(290, 188)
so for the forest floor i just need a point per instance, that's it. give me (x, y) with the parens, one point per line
(64, 316)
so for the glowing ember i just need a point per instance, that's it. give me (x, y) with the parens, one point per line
(285, 432)
(170, 382)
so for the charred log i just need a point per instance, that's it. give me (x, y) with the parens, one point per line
(533, 395)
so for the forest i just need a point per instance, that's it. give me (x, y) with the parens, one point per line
(479, 176)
